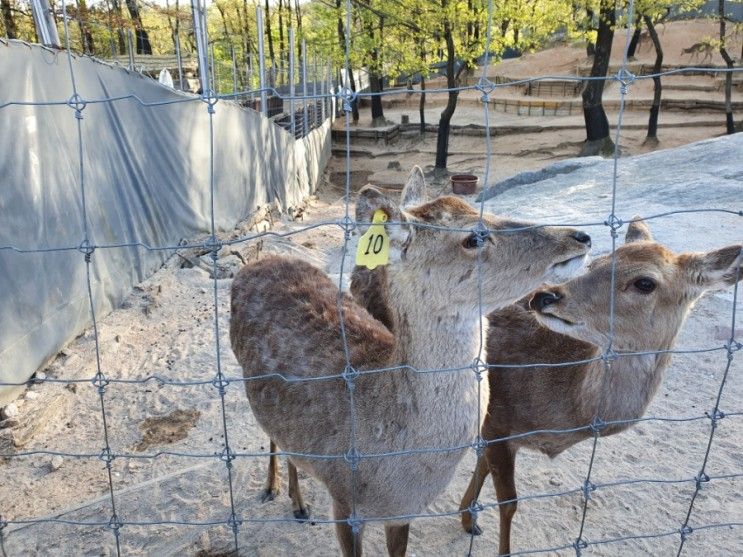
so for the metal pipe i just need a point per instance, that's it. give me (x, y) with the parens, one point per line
(261, 60)
(291, 84)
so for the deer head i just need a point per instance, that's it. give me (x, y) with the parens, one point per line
(436, 248)
(653, 291)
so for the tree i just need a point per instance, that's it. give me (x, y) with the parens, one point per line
(143, 39)
(597, 124)
(11, 31)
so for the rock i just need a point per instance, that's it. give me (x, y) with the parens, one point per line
(554, 480)
(56, 462)
(31, 395)
(10, 411)
(40, 375)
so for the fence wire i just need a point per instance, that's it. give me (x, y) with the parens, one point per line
(316, 101)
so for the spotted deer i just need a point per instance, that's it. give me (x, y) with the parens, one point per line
(285, 331)
(654, 291)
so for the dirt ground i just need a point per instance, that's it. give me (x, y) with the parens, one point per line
(166, 328)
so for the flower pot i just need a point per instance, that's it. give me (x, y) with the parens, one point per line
(464, 184)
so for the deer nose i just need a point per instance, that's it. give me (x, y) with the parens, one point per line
(581, 237)
(541, 300)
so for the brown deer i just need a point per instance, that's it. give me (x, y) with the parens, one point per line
(704, 47)
(365, 288)
(285, 331)
(654, 292)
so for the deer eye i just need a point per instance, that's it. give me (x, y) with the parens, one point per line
(645, 285)
(474, 240)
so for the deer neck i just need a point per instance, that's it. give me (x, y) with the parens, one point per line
(623, 388)
(433, 336)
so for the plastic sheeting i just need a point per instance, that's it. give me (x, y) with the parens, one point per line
(146, 172)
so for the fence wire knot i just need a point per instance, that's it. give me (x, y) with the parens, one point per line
(220, 382)
(481, 233)
(732, 346)
(609, 356)
(614, 223)
(213, 245)
(588, 488)
(579, 545)
(485, 86)
(348, 225)
(227, 456)
(685, 532)
(114, 523)
(350, 374)
(475, 509)
(715, 416)
(107, 456)
(480, 368)
(234, 522)
(479, 444)
(347, 96)
(597, 425)
(701, 478)
(100, 381)
(86, 249)
(355, 523)
(625, 79)
(78, 104)
(353, 457)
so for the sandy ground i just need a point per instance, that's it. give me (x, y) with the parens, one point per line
(167, 328)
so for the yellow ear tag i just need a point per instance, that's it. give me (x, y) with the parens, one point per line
(374, 245)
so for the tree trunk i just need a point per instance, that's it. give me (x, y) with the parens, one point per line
(597, 125)
(442, 138)
(271, 53)
(86, 37)
(143, 40)
(635, 39)
(729, 122)
(590, 47)
(652, 136)
(121, 39)
(11, 31)
(377, 112)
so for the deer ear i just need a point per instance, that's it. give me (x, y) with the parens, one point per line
(371, 200)
(414, 192)
(717, 269)
(637, 231)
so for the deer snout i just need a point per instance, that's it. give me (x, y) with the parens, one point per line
(582, 238)
(541, 300)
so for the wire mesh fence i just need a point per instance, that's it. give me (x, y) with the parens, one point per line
(303, 102)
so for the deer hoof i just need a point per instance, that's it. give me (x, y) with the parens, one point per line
(474, 530)
(269, 494)
(302, 514)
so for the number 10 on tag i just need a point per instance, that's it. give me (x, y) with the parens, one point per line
(374, 245)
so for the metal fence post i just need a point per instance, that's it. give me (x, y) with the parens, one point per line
(199, 32)
(130, 42)
(215, 79)
(304, 85)
(234, 71)
(179, 59)
(44, 22)
(292, 92)
(315, 112)
(261, 60)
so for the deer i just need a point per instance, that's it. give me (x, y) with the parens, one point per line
(301, 377)
(654, 291)
(703, 47)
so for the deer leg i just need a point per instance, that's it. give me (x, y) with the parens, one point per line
(301, 511)
(473, 491)
(273, 485)
(349, 541)
(502, 459)
(397, 539)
